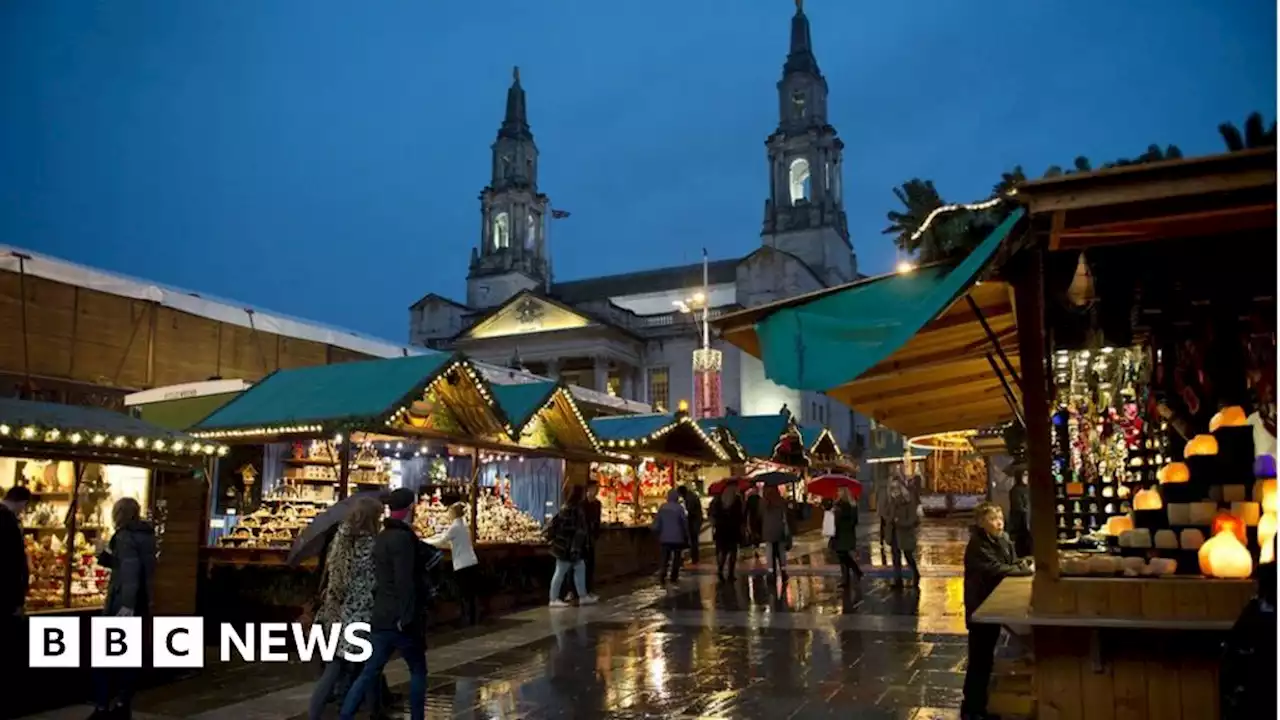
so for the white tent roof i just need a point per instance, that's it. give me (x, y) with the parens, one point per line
(14, 259)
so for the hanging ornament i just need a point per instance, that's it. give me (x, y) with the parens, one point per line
(1081, 292)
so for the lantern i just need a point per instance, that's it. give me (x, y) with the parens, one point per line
(1226, 522)
(1264, 491)
(1266, 526)
(1147, 500)
(1119, 524)
(1201, 445)
(1174, 473)
(1224, 556)
(1268, 554)
(1166, 540)
(1232, 416)
(1191, 539)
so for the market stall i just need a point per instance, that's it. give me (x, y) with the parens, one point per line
(77, 462)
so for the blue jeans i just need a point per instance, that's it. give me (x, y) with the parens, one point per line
(414, 652)
(579, 577)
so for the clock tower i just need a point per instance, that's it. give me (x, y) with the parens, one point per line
(512, 253)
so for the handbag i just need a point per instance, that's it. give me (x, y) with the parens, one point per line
(828, 523)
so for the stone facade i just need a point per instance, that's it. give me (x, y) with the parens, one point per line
(623, 334)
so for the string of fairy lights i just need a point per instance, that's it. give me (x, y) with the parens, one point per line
(52, 436)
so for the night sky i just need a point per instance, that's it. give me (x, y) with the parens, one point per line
(323, 158)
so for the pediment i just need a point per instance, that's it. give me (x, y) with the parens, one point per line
(527, 313)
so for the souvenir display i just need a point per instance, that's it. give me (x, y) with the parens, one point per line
(500, 522)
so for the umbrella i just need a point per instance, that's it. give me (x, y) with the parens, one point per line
(774, 479)
(718, 486)
(828, 486)
(310, 542)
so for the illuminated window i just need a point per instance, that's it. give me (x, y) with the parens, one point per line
(659, 388)
(501, 231)
(799, 181)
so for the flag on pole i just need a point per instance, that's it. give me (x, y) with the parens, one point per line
(559, 214)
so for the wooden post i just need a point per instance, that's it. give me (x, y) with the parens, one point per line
(1029, 296)
(344, 466)
(475, 494)
(151, 347)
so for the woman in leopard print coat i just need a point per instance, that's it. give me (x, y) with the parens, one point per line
(348, 594)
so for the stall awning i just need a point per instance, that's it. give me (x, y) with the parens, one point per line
(436, 392)
(40, 429)
(819, 440)
(908, 349)
(658, 434)
(544, 414)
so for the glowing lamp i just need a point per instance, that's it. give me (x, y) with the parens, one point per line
(1264, 466)
(1224, 556)
(1232, 416)
(1119, 524)
(1201, 445)
(683, 406)
(1264, 491)
(1191, 539)
(1147, 500)
(1268, 554)
(1250, 513)
(1266, 526)
(1174, 473)
(1226, 522)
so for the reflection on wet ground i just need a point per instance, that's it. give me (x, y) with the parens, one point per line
(701, 649)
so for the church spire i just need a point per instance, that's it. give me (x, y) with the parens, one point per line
(801, 58)
(516, 122)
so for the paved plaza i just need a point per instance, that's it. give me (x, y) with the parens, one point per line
(699, 649)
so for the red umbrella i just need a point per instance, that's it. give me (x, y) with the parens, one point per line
(828, 486)
(718, 486)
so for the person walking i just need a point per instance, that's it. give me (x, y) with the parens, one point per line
(1020, 515)
(692, 509)
(399, 607)
(569, 536)
(672, 528)
(457, 537)
(845, 541)
(753, 516)
(904, 527)
(348, 595)
(988, 558)
(593, 512)
(131, 557)
(775, 531)
(727, 518)
(15, 573)
(883, 510)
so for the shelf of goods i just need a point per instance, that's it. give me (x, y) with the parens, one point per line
(47, 538)
(617, 493)
(499, 521)
(309, 485)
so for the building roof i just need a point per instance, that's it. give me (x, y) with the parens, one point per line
(645, 281)
(436, 296)
(522, 402)
(757, 434)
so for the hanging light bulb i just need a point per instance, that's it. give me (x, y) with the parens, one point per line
(1081, 291)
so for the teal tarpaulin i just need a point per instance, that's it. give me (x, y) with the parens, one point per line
(833, 340)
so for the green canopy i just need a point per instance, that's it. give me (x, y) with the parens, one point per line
(832, 340)
(522, 401)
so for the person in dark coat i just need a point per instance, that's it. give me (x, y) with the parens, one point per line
(775, 531)
(1247, 676)
(989, 558)
(131, 557)
(727, 516)
(693, 509)
(671, 525)
(1020, 515)
(399, 607)
(592, 511)
(569, 536)
(845, 541)
(15, 574)
(753, 527)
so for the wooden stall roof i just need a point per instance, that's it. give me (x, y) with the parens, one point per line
(758, 436)
(724, 437)
(820, 440)
(1195, 197)
(675, 436)
(41, 429)
(368, 395)
(552, 405)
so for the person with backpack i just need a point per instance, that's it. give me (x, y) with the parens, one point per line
(401, 593)
(131, 557)
(569, 534)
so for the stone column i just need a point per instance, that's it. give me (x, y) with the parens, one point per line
(553, 368)
(628, 383)
(601, 374)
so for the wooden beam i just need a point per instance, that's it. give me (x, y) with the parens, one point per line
(952, 396)
(851, 390)
(934, 423)
(1041, 200)
(930, 360)
(991, 406)
(1057, 224)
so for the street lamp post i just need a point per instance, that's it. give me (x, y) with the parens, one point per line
(707, 361)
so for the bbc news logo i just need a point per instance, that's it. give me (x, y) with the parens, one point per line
(178, 642)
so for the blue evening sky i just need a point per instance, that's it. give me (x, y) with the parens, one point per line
(322, 158)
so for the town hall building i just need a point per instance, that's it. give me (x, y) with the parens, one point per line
(623, 334)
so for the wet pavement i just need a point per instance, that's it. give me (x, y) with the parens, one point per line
(696, 649)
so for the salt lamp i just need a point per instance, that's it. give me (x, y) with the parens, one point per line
(1119, 524)
(1202, 512)
(1166, 540)
(1224, 556)
(1264, 492)
(1147, 500)
(1264, 466)
(1174, 473)
(1179, 513)
(1268, 554)
(1191, 539)
(1161, 566)
(1266, 526)
(1249, 513)
(1201, 445)
(1226, 522)
(1232, 416)
(1232, 493)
